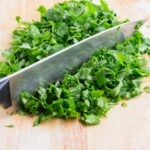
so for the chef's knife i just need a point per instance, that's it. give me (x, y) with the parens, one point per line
(53, 67)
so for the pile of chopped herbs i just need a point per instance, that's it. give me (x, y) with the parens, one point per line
(87, 93)
(63, 25)
(109, 76)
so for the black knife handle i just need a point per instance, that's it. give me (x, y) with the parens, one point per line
(5, 98)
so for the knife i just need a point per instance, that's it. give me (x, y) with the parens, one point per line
(53, 67)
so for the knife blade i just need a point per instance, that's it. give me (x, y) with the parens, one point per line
(53, 67)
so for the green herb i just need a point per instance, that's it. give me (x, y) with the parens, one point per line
(87, 94)
(9, 126)
(123, 104)
(59, 27)
(147, 89)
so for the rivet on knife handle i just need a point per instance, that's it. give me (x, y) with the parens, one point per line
(5, 98)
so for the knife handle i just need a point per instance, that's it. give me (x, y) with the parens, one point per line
(5, 98)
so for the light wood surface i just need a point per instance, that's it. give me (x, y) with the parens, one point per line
(123, 129)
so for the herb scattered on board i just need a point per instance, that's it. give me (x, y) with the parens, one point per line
(147, 89)
(9, 126)
(109, 76)
(59, 27)
(124, 104)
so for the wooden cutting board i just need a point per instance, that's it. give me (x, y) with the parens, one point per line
(123, 128)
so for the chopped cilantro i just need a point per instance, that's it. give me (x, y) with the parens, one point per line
(58, 28)
(108, 77)
(87, 94)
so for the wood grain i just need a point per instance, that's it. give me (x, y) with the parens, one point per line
(122, 129)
